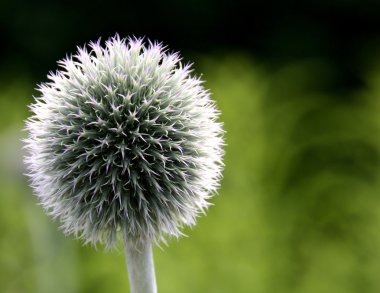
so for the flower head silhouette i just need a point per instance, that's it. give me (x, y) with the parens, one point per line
(124, 138)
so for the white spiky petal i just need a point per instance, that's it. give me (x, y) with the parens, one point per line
(124, 138)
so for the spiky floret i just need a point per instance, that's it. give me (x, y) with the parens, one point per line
(124, 138)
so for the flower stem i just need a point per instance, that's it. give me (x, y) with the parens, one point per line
(140, 265)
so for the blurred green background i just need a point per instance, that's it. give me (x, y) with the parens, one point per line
(298, 84)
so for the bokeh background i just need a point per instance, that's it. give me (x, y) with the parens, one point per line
(298, 84)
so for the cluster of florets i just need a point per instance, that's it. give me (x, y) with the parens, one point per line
(123, 138)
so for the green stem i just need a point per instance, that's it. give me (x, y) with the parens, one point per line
(140, 265)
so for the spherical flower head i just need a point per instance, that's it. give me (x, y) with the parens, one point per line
(123, 138)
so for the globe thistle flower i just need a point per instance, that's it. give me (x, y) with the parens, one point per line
(124, 138)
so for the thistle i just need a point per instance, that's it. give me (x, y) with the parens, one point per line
(124, 141)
